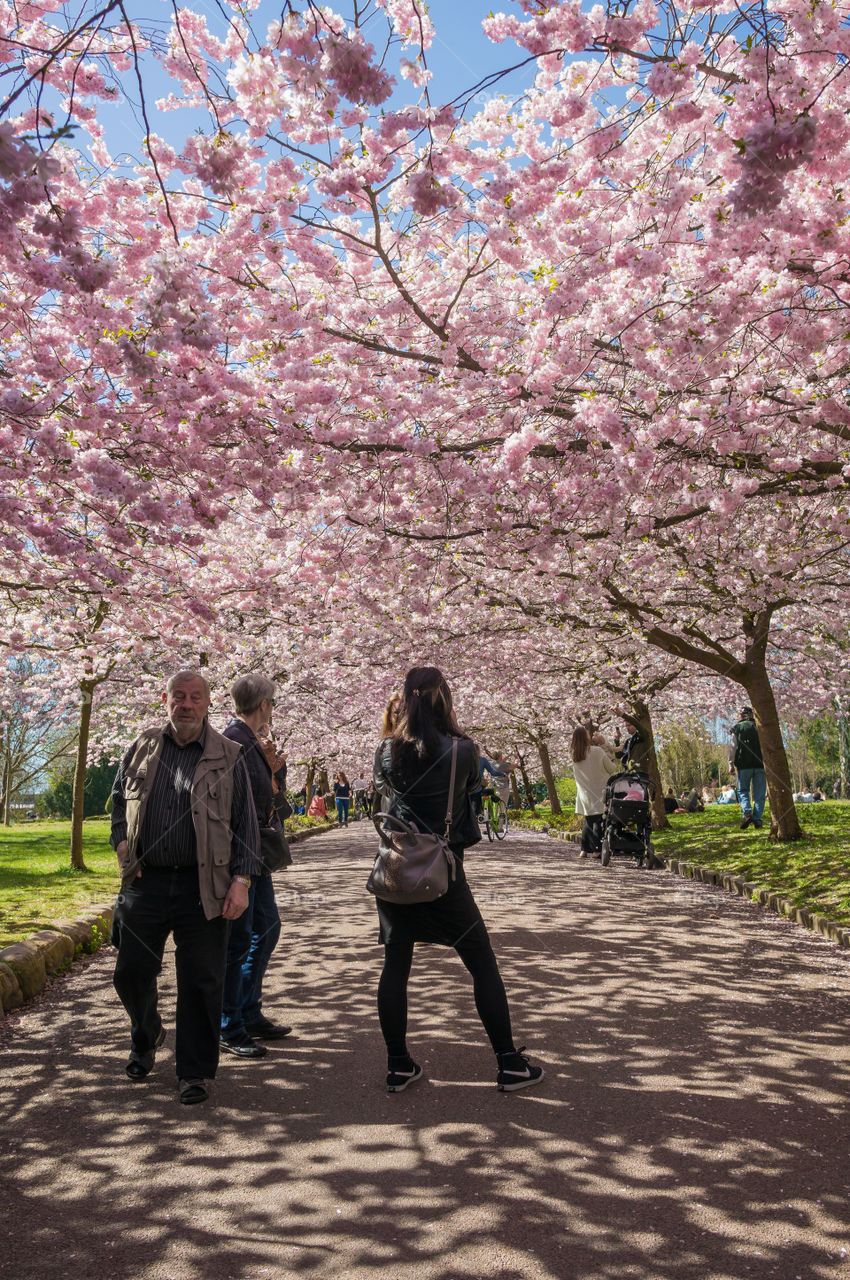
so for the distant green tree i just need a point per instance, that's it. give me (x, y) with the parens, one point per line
(57, 800)
(815, 751)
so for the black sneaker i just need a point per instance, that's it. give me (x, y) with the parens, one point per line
(243, 1046)
(516, 1072)
(746, 822)
(265, 1029)
(400, 1073)
(757, 823)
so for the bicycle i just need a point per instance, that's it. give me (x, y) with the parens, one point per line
(495, 814)
(361, 806)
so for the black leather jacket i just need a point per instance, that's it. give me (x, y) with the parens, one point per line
(420, 793)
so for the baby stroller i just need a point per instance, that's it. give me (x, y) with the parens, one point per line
(627, 821)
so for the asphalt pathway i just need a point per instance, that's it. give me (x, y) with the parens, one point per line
(693, 1123)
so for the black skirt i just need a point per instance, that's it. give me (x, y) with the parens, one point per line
(446, 921)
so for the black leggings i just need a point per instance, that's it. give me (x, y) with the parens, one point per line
(491, 999)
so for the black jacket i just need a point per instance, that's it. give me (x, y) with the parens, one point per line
(259, 772)
(420, 793)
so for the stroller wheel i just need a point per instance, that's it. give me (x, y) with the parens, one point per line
(606, 852)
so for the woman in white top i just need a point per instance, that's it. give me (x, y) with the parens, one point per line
(592, 767)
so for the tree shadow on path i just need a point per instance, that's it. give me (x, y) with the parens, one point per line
(693, 1122)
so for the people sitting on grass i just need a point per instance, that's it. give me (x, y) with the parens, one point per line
(691, 801)
(318, 808)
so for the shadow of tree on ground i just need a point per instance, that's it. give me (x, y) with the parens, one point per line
(693, 1122)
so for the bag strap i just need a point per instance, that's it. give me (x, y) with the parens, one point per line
(451, 804)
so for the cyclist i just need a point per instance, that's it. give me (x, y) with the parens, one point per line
(359, 787)
(500, 776)
(485, 767)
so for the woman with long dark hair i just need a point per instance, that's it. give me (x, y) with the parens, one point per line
(413, 773)
(592, 767)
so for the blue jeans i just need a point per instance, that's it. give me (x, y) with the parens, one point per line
(342, 812)
(253, 938)
(755, 779)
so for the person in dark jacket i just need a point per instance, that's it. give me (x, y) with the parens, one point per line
(748, 764)
(635, 750)
(254, 936)
(412, 772)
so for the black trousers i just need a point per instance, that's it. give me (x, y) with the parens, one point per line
(591, 835)
(158, 903)
(491, 999)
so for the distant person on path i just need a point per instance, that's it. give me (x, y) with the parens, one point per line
(360, 786)
(747, 762)
(499, 770)
(254, 936)
(188, 844)
(412, 771)
(592, 767)
(342, 799)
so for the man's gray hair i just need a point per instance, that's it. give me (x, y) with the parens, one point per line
(249, 691)
(180, 677)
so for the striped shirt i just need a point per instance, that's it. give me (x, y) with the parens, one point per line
(167, 838)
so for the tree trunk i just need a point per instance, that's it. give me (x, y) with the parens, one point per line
(323, 781)
(308, 785)
(78, 795)
(784, 823)
(752, 675)
(643, 716)
(549, 777)
(843, 749)
(529, 794)
(7, 789)
(515, 790)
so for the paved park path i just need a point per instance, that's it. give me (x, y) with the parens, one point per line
(694, 1122)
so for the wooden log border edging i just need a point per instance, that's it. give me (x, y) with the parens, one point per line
(769, 899)
(26, 967)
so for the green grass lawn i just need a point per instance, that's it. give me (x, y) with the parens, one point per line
(813, 872)
(543, 820)
(37, 884)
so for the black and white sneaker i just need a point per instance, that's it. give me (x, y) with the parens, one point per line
(516, 1072)
(400, 1073)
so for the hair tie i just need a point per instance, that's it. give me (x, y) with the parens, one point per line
(415, 693)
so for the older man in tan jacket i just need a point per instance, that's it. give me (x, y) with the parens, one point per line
(188, 843)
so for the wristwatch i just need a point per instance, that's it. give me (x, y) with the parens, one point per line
(246, 880)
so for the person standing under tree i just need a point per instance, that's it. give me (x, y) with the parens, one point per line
(187, 839)
(747, 762)
(254, 936)
(413, 769)
(592, 767)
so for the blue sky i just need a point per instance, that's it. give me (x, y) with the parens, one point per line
(460, 56)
